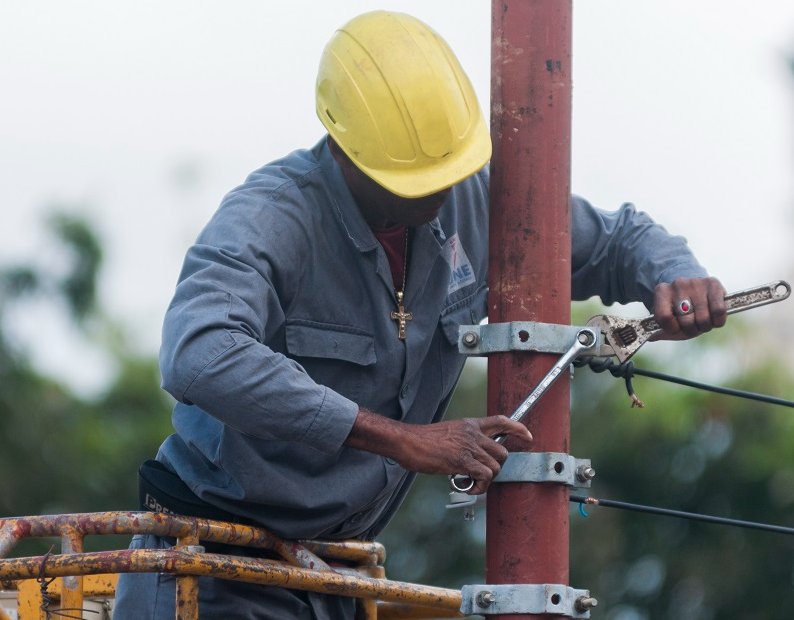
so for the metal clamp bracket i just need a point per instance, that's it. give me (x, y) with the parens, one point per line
(518, 336)
(559, 600)
(546, 467)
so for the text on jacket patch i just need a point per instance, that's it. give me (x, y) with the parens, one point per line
(462, 273)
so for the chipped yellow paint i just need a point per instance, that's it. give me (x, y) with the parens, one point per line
(303, 565)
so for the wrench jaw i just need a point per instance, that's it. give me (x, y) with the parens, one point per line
(612, 345)
(623, 337)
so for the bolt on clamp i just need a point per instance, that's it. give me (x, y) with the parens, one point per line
(553, 599)
(546, 467)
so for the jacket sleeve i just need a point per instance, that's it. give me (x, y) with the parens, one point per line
(622, 255)
(226, 307)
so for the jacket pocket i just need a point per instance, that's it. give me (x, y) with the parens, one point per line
(309, 339)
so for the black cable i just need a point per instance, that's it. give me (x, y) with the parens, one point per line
(764, 398)
(693, 516)
(627, 370)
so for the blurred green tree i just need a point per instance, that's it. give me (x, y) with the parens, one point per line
(698, 452)
(62, 452)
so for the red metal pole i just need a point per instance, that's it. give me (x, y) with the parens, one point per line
(530, 273)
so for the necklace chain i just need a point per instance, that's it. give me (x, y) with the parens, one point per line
(401, 316)
(405, 261)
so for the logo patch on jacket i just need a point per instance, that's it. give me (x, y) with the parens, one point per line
(462, 272)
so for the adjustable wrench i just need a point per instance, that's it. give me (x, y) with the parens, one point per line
(623, 337)
(586, 339)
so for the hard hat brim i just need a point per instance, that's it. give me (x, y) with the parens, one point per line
(442, 174)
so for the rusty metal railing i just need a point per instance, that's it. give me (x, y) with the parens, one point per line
(302, 565)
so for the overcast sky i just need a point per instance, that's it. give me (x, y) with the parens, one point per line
(143, 114)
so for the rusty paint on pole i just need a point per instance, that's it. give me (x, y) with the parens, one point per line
(530, 272)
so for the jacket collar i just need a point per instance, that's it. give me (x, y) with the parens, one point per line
(344, 205)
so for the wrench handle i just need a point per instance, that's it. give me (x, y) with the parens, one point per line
(740, 301)
(758, 296)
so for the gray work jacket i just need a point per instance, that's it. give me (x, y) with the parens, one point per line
(280, 329)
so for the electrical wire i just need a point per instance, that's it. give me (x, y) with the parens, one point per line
(627, 370)
(692, 516)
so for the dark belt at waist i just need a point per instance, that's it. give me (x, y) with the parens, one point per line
(161, 490)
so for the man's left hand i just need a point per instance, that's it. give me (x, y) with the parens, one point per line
(688, 307)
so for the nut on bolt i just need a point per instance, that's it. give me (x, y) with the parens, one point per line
(585, 473)
(585, 603)
(486, 598)
(470, 339)
(585, 337)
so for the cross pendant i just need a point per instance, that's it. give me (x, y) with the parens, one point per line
(401, 316)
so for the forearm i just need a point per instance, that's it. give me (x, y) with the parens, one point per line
(378, 434)
(456, 446)
(622, 255)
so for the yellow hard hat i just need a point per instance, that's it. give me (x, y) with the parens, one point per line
(394, 97)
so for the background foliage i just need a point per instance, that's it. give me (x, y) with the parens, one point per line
(62, 452)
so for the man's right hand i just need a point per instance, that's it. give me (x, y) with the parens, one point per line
(453, 447)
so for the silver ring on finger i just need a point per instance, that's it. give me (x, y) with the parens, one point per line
(683, 307)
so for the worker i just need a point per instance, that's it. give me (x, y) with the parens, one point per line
(311, 344)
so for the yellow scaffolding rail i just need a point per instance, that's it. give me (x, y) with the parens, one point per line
(301, 565)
